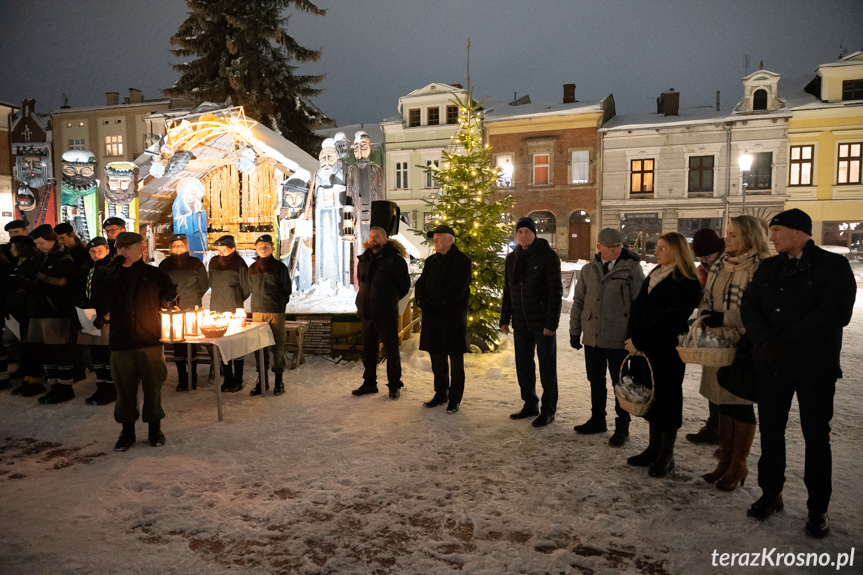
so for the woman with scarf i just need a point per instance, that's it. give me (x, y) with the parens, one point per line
(668, 296)
(719, 313)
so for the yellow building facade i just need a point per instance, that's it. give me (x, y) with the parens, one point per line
(825, 155)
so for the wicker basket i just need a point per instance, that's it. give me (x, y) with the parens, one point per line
(214, 330)
(635, 408)
(708, 356)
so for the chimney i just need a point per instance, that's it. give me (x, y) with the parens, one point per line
(668, 103)
(135, 96)
(112, 98)
(569, 94)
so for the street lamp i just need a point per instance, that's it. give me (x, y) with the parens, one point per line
(506, 171)
(745, 163)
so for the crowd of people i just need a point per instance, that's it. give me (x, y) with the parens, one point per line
(788, 309)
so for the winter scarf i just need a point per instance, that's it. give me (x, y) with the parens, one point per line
(658, 274)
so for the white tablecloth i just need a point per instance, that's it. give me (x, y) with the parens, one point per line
(238, 344)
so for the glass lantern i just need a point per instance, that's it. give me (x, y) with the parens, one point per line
(173, 325)
(194, 319)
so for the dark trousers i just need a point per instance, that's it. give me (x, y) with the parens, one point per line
(597, 360)
(385, 331)
(448, 376)
(815, 400)
(59, 362)
(545, 347)
(101, 355)
(145, 365)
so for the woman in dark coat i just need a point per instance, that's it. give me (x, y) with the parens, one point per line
(190, 276)
(229, 281)
(442, 292)
(660, 313)
(52, 307)
(23, 268)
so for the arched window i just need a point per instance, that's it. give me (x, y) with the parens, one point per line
(545, 226)
(759, 100)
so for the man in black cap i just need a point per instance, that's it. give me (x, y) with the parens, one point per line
(794, 310)
(113, 227)
(384, 280)
(229, 284)
(13, 228)
(442, 292)
(271, 290)
(72, 244)
(133, 296)
(532, 296)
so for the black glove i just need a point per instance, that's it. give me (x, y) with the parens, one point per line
(712, 318)
(574, 343)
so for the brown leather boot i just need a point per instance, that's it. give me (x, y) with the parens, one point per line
(744, 434)
(726, 441)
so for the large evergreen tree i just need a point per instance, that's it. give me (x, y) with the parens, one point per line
(479, 216)
(242, 50)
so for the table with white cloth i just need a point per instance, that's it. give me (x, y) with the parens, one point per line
(253, 337)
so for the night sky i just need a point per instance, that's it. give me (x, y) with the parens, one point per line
(377, 50)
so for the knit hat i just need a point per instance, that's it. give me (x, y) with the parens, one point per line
(45, 231)
(264, 238)
(15, 224)
(794, 219)
(96, 242)
(64, 228)
(126, 239)
(526, 222)
(227, 241)
(706, 242)
(609, 236)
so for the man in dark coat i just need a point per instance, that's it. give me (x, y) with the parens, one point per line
(271, 290)
(190, 276)
(383, 278)
(113, 227)
(442, 293)
(532, 295)
(601, 305)
(7, 264)
(133, 295)
(794, 311)
(230, 287)
(73, 245)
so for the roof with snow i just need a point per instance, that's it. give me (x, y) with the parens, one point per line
(500, 111)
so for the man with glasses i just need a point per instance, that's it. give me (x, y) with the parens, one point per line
(113, 226)
(603, 297)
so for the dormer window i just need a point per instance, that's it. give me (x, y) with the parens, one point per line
(759, 100)
(413, 118)
(852, 90)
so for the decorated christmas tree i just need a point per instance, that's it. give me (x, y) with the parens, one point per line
(470, 202)
(242, 50)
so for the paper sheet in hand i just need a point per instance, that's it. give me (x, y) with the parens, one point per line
(86, 317)
(14, 327)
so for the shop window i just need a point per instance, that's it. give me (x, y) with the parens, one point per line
(545, 226)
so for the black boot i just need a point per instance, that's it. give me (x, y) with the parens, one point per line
(279, 387)
(621, 433)
(237, 380)
(92, 399)
(767, 505)
(664, 463)
(593, 425)
(31, 388)
(257, 389)
(127, 437)
(194, 375)
(182, 377)
(229, 376)
(155, 435)
(58, 393)
(105, 393)
(647, 456)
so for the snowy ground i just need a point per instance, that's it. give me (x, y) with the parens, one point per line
(319, 481)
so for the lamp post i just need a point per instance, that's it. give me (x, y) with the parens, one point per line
(506, 171)
(745, 163)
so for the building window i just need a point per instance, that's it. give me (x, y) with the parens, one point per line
(642, 177)
(507, 169)
(847, 234)
(581, 167)
(852, 90)
(452, 114)
(113, 145)
(545, 226)
(413, 118)
(688, 226)
(700, 174)
(849, 163)
(401, 175)
(540, 169)
(801, 166)
(761, 173)
(759, 100)
(431, 180)
(433, 116)
(77, 144)
(640, 234)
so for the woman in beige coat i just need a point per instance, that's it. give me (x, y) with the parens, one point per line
(719, 313)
